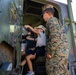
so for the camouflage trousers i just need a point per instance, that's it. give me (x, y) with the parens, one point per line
(56, 66)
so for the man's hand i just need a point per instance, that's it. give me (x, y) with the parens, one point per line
(48, 56)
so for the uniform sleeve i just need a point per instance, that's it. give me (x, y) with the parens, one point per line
(55, 36)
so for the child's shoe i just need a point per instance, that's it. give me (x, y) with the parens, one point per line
(30, 73)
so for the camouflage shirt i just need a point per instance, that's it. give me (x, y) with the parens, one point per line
(57, 44)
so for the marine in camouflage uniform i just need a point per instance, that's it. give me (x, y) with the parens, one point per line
(57, 47)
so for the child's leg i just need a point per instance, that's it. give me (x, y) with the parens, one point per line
(23, 53)
(23, 62)
(29, 58)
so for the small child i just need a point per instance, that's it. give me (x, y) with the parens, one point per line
(30, 45)
(40, 46)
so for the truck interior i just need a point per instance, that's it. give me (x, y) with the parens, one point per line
(32, 11)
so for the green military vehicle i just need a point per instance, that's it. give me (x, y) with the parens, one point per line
(16, 13)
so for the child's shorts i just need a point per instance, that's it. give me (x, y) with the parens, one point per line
(40, 51)
(29, 51)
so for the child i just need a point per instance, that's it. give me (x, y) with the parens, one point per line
(40, 46)
(30, 45)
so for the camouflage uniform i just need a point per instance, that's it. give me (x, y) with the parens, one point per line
(57, 47)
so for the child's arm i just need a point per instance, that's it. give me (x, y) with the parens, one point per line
(28, 38)
(33, 30)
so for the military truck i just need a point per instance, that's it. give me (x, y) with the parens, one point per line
(16, 13)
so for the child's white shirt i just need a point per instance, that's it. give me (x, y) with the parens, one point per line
(41, 40)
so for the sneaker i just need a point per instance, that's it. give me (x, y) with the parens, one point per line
(30, 73)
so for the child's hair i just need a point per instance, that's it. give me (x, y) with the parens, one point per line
(29, 30)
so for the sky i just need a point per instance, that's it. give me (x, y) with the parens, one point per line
(73, 6)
